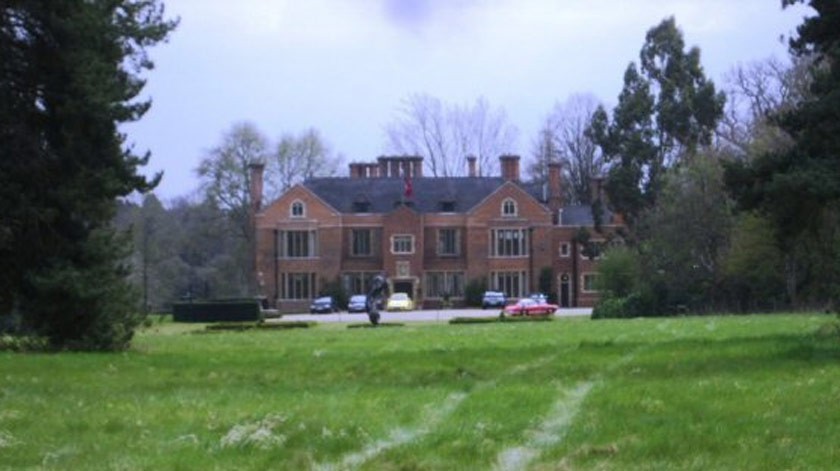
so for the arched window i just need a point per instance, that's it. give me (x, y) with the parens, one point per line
(298, 210)
(509, 207)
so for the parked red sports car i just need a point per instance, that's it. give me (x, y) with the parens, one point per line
(529, 307)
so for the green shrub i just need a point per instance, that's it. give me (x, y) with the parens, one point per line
(618, 272)
(636, 304)
(609, 308)
(641, 304)
(22, 343)
(474, 291)
(335, 289)
(546, 284)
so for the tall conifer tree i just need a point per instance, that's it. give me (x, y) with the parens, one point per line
(70, 74)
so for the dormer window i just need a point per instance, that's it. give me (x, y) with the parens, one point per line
(509, 208)
(361, 207)
(447, 206)
(298, 210)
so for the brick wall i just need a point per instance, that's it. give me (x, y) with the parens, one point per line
(335, 241)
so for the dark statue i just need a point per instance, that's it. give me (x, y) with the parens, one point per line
(378, 290)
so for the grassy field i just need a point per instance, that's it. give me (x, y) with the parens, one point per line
(754, 392)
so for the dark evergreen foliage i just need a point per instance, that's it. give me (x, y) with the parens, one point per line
(666, 111)
(798, 187)
(69, 75)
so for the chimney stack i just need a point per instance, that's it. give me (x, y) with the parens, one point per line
(256, 185)
(398, 166)
(555, 187)
(471, 165)
(510, 167)
(417, 167)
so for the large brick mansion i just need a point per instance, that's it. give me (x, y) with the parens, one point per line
(431, 236)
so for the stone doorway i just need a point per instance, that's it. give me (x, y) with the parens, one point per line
(404, 286)
(565, 291)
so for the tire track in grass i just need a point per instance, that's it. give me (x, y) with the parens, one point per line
(434, 416)
(549, 432)
(556, 423)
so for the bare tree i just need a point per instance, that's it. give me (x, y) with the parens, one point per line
(564, 137)
(298, 158)
(757, 91)
(544, 151)
(224, 174)
(444, 135)
(226, 181)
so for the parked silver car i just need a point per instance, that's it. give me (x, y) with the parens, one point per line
(358, 303)
(493, 299)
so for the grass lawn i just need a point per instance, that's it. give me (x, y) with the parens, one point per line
(751, 392)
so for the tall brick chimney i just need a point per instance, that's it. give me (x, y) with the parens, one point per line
(510, 167)
(399, 166)
(471, 165)
(555, 187)
(255, 189)
(417, 167)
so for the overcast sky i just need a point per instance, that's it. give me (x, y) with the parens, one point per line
(343, 66)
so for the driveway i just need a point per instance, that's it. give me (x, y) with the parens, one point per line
(431, 315)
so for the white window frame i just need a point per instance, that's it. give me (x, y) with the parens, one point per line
(297, 204)
(394, 239)
(457, 242)
(311, 244)
(588, 275)
(448, 279)
(357, 282)
(568, 252)
(290, 282)
(353, 252)
(497, 284)
(509, 202)
(521, 241)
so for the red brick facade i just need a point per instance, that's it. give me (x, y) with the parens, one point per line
(507, 235)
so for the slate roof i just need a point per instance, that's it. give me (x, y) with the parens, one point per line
(384, 194)
(580, 215)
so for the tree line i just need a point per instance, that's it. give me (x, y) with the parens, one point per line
(730, 205)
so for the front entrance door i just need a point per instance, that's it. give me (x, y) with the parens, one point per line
(403, 286)
(565, 290)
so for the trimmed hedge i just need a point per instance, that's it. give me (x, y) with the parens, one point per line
(218, 311)
(492, 320)
(371, 326)
(473, 320)
(243, 326)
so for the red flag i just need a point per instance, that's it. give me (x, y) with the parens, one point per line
(409, 190)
